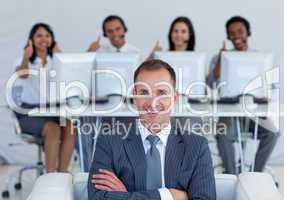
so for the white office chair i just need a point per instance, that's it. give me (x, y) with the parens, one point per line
(248, 186)
(38, 166)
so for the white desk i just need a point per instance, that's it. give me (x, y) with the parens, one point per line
(115, 107)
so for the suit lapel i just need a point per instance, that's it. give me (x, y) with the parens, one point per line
(175, 150)
(134, 148)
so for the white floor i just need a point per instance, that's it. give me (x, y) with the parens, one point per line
(28, 181)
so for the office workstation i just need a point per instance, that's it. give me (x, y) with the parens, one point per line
(185, 118)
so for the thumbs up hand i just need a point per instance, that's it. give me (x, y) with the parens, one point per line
(95, 45)
(157, 47)
(29, 50)
(224, 47)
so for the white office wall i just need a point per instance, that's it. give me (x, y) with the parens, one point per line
(78, 23)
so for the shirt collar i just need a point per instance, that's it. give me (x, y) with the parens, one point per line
(38, 60)
(163, 134)
(249, 49)
(121, 49)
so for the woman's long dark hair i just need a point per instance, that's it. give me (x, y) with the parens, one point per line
(191, 42)
(32, 33)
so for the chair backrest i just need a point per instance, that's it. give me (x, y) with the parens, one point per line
(17, 94)
(248, 186)
(52, 183)
(257, 185)
(225, 186)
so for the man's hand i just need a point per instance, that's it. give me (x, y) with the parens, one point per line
(178, 194)
(224, 47)
(217, 69)
(107, 181)
(157, 47)
(95, 45)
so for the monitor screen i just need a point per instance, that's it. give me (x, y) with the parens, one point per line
(114, 73)
(73, 75)
(244, 73)
(190, 69)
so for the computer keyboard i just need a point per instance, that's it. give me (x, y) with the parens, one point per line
(260, 100)
(228, 100)
(196, 101)
(101, 100)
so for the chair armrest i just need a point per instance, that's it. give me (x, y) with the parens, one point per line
(80, 186)
(55, 186)
(256, 185)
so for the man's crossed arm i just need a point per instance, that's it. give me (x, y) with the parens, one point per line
(107, 181)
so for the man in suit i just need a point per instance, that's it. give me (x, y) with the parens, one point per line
(149, 158)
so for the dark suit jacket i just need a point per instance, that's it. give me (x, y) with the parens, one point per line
(188, 165)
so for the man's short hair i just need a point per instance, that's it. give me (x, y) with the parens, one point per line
(240, 19)
(155, 64)
(111, 18)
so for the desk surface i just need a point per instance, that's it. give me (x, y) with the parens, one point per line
(116, 107)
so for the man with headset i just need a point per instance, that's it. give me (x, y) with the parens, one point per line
(238, 31)
(115, 30)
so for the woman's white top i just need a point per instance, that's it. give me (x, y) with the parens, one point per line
(36, 85)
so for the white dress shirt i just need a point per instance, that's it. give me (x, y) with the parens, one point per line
(161, 146)
(126, 48)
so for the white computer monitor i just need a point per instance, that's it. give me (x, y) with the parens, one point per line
(73, 69)
(243, 73)
(114, 73)
(190, 69)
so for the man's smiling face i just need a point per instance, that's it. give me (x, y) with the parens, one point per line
(154, 96)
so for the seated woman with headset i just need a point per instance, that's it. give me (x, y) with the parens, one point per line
(58, 140)
(181, 36)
